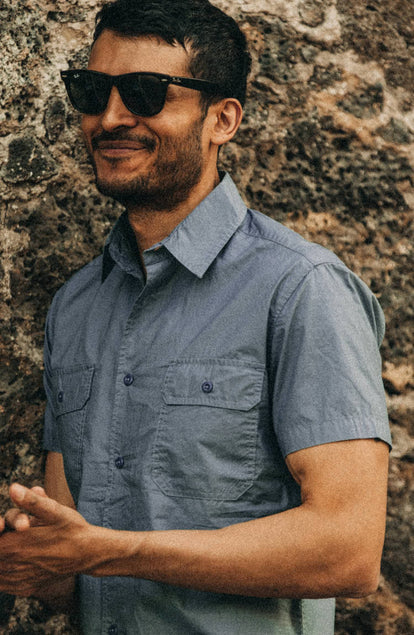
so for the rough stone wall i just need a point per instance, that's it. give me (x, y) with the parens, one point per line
(326, 147)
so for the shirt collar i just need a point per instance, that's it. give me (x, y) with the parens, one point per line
(121, 248)
(198, 239)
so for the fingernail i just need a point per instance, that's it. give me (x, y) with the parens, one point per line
(18, 492)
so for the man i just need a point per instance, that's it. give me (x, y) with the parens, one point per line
(215, 408)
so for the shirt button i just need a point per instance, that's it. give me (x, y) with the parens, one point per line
(60, 397)
(128, 379)
(119, 462)
(113, 630)
(207, 386)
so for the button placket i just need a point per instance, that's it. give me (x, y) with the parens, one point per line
(120, 461)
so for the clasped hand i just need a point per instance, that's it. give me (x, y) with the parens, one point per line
(42, 545)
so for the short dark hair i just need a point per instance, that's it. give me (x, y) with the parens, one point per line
(217, 47)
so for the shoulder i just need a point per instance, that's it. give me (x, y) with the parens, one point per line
(304, 276)
(283, 258)
(284, 243)
(80, 285)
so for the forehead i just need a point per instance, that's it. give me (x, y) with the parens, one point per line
(115, 55)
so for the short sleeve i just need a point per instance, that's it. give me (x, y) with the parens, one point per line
(327, 383)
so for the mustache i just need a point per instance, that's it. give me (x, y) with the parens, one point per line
(120, 135)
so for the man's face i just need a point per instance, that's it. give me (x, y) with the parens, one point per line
(153, 162)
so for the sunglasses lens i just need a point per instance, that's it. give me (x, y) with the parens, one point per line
(143, 95)
(88, 92)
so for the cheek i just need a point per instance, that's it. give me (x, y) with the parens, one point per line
(88, 126)
(84, 124)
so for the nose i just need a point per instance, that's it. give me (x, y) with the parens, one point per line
(117, 114)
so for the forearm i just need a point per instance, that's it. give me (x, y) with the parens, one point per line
(330, 545)
(293, 554)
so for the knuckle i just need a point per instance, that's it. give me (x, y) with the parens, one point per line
(30, 500)
(10, 517)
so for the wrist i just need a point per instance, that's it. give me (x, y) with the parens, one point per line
(111, 552)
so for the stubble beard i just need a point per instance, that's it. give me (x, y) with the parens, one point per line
(170, 179)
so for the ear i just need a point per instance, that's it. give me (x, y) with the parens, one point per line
(227, 116)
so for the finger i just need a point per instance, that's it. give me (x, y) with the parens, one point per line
(16, 520)
(40, 506)
(22, 522)
(39, 490)
(10, 517)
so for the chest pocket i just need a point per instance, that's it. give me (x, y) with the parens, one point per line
(207, 433)
(71, 390)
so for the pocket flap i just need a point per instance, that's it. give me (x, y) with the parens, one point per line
(71, 388)
(216, 383)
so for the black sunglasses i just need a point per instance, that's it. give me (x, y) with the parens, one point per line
(142, 93)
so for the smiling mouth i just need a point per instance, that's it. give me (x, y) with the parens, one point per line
(119, 146)
(120, 149)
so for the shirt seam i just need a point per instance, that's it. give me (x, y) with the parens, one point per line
(300, 283)
(280, 244)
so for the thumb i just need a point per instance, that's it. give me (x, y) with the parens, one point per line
(36, 503)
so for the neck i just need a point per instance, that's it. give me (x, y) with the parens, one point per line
(150, 225)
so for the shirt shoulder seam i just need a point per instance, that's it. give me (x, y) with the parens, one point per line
(302, 281)
(292, 249)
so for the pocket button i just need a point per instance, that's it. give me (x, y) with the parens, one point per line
(128, 379)
(207, 386)
(119, 462)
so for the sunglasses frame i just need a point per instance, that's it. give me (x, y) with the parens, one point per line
(201, 85)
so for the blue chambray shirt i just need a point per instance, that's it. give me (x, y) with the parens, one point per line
(174, 399)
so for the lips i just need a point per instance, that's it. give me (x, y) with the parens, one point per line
(121, 150)
(105, 143)
(120, 145)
